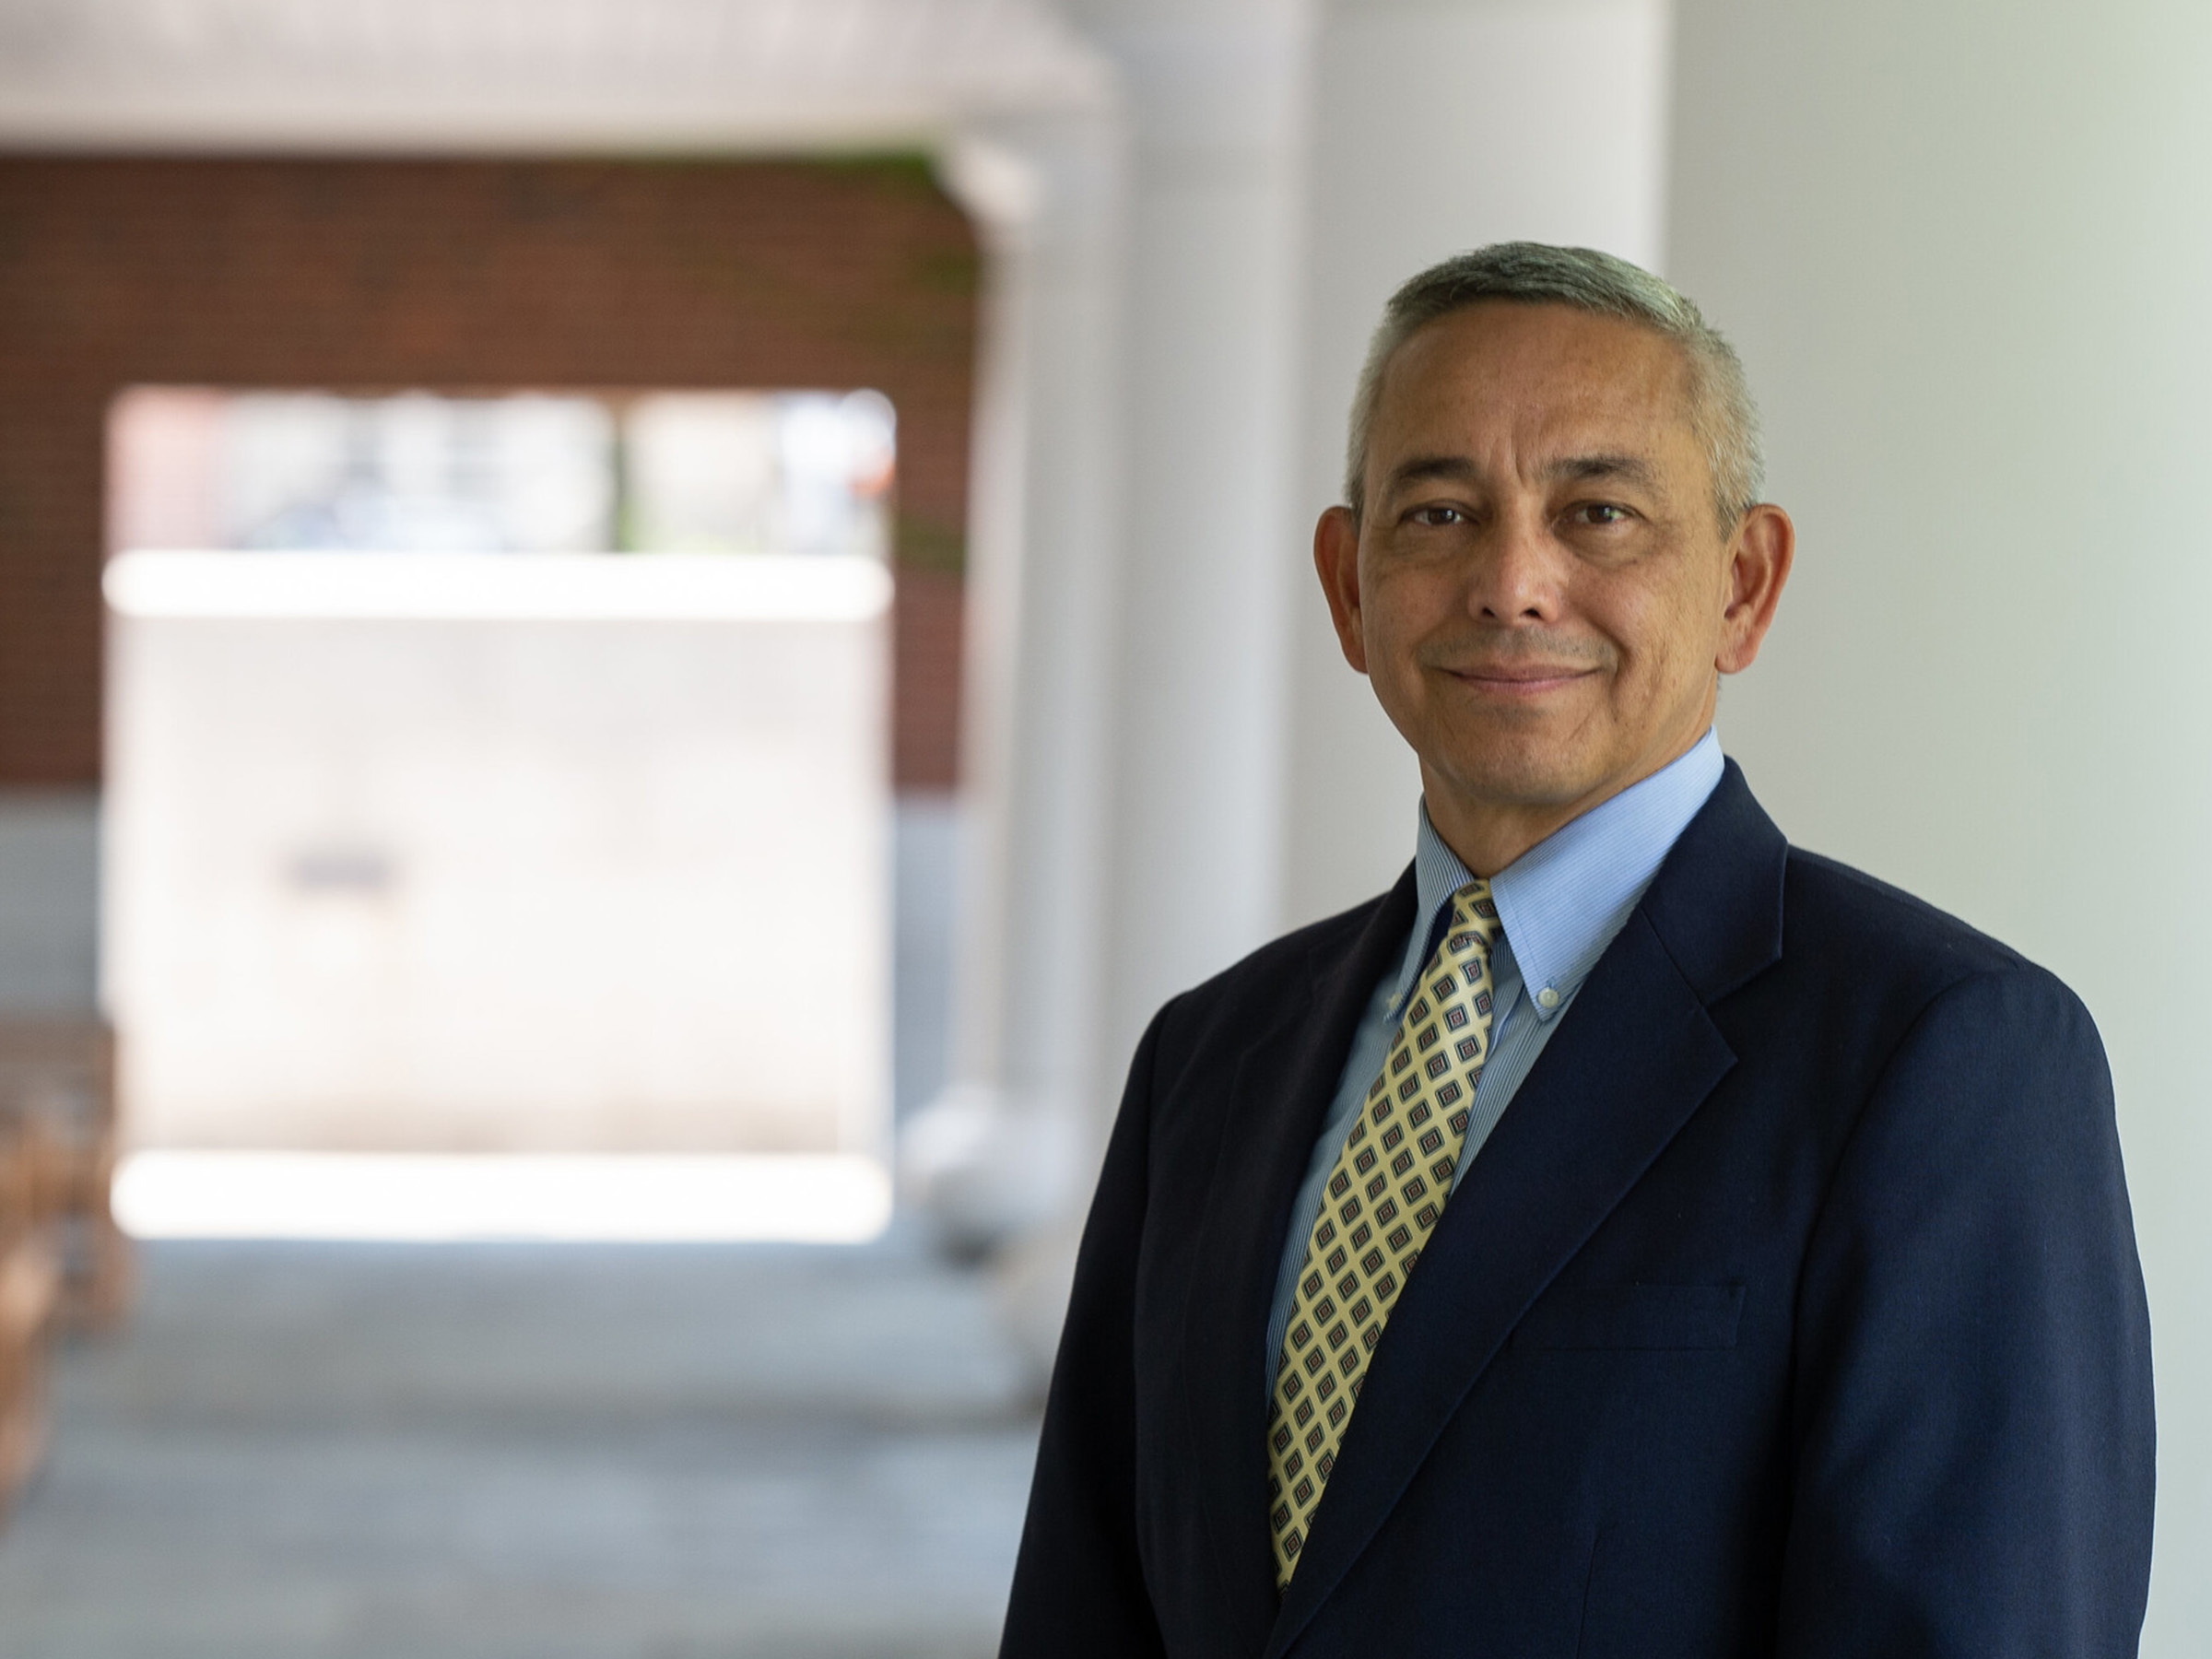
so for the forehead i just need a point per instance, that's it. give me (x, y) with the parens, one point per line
(1536, 376)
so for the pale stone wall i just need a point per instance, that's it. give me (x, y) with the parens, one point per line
(493, 877)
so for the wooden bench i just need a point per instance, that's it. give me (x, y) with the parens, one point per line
(57, 1087)
(29, 1289)
(63, 1260)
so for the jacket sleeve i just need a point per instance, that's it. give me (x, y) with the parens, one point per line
(1971, 1409)
(1079, 1584)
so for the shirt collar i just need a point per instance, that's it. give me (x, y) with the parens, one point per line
(1562, 901)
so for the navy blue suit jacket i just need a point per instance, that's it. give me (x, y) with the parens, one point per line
(1793, 1308)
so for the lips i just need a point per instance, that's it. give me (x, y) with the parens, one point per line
(1524, 673)
(1522, 679)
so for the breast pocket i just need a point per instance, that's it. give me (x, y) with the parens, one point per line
(1633, 1316)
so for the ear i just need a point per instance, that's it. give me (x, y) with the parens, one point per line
(1758, 563)
(1336, 561)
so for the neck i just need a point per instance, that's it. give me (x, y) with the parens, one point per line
(1488, 835)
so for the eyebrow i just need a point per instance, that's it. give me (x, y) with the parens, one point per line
(1632, 469)
(1453, 469)
(1457, 469)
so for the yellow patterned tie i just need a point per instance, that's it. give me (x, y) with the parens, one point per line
(1381, 1203)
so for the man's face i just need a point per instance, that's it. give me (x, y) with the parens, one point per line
(1539, 587)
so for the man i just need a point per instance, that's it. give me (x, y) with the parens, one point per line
(1630, 1235)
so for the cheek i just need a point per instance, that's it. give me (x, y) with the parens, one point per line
(1664, 633)
(1400, 609)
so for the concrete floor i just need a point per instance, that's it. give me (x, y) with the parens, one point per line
(395, 1451)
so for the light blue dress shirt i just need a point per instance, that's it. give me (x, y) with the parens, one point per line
(1562, 902)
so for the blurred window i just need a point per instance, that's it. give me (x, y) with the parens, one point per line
(788, 472)
(701, 472)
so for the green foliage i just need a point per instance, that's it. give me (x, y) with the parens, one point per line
(925, 544)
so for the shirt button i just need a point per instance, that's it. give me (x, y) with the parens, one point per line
(1548, 998)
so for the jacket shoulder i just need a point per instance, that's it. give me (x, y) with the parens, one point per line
(1864, 928)
(1841, 904)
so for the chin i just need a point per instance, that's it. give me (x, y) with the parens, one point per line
(1536, 762)
(1514, 776)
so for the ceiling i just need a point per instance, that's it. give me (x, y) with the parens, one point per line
(528, 74)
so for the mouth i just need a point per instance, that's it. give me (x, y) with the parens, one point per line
(1521, 681)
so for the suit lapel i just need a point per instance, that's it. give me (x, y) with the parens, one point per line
(1281, 1090)
(1636, 1056)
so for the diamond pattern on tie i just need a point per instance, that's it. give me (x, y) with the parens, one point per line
(1382, 1202)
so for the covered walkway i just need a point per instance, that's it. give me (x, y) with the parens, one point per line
(357, 1451)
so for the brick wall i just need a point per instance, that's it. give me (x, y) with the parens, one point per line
(460, 276)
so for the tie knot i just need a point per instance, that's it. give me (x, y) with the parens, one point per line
(1473, 926)
(1472, 906)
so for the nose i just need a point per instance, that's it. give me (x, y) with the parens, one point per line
(1515, 576)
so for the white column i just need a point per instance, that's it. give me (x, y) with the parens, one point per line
(1957, 246)
(1149, 624)
(1438, 125)
(1210, 555)
(999, 1152)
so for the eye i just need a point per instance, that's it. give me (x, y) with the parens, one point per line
(1437, 518)
(1599, 513)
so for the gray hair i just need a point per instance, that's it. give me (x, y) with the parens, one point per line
(1721, 410)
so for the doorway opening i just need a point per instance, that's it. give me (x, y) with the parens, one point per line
(499, 821)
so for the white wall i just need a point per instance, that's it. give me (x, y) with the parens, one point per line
(458, 853)
(1962, 248)
(1437, 127)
